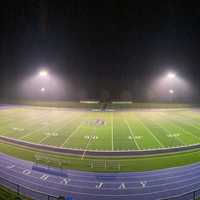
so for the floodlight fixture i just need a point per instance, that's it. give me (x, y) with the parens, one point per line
(43, 73)
(42, 89)
(171, 75)
(171, 91)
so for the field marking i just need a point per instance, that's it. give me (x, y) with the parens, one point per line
(23, 120)
(43, 139)
(72, 133)
(165, 129)
(45, 126)
(7, 117)
(85, 149)
(35, 130)
(178, 126)
(150, 132)
(131, 131)
(191, 123)
(65, 124)
(12, 122)
(47, 136)
(57, 129)
(112, 131)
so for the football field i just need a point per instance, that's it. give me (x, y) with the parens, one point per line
(136, 129)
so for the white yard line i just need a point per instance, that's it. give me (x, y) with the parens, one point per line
(27, 121)
(182, 129)
(190, 121)
(112, 131)
(43, 139)
(12, 123)
(131, 131)
(35, 130)
(150, 132)
(45, 126)
(86, 148)
(55, 130)
(60, 128)
(165, 129)
(72, 133)
(22, 119)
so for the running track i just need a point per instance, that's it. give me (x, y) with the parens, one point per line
(152, 185)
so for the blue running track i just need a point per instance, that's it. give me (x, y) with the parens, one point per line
(152, 185)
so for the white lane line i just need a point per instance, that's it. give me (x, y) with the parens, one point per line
(131, 131)
(146, 193)
(151, 183)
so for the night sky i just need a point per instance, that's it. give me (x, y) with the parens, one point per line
(117, 47)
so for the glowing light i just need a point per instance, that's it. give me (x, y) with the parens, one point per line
(171, 75)
(43, 73)
(42, 89)
(171, 91)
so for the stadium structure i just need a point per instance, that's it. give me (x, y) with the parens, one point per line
(99, 100)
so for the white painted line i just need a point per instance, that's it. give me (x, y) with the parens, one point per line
(165, 129)
(86, 148)
(131, 131)
(72, 133)
(150, 132)
(112, 131)
(43, 139)
(179, 127)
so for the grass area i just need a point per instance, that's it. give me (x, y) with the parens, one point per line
(139, 129)
(6, 194)
(126, 164)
